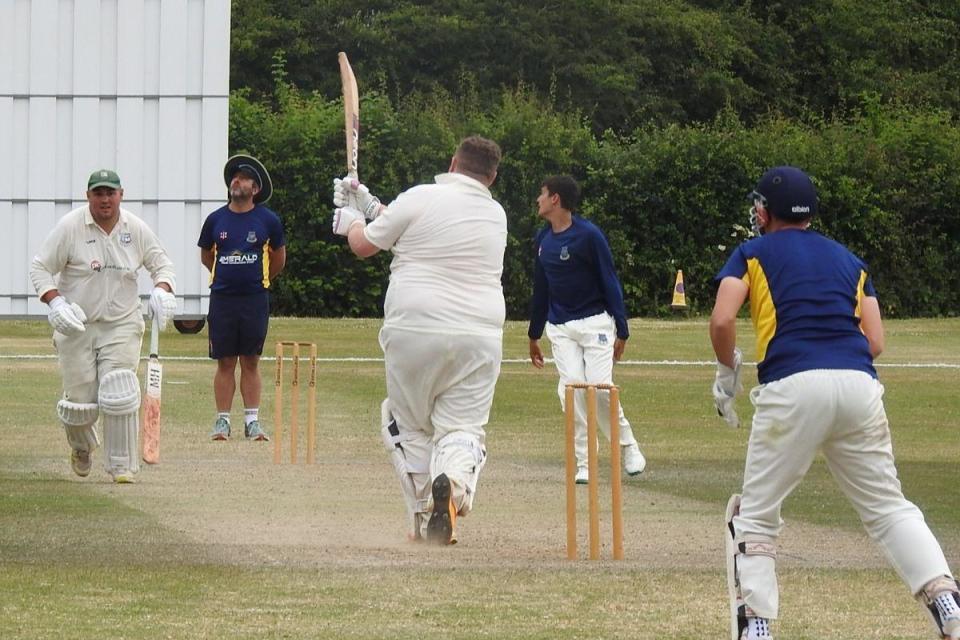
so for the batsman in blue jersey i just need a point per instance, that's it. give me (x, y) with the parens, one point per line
(242, 244)
(577, 298)
(818, 329)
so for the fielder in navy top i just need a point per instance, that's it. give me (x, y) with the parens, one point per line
(577, 298)
(243, 246)
(818, 329)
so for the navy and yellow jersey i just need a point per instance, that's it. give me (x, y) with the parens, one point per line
(574, 278)
(241, 244)
(805, 293)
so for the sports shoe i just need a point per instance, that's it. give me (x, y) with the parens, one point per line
(253, 432)
(948, 607)
(443, 517)
(757, 629)
(123, 477)
(80, 462)
(583, 475)
(221, 430)
(633, 461)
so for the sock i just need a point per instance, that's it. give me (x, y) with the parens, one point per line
(249, 415)
(225, 415)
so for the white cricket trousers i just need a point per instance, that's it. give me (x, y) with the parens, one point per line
(103, 347)
(583, 352)
(440, 390)
(841, 413)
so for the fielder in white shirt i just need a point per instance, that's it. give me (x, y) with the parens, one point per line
(443, 327)
(86, 270)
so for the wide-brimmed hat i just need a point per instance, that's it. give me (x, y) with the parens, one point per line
(256, 170)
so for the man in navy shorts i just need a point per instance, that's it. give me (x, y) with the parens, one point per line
(242, 244)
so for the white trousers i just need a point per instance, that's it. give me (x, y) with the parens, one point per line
(583, 352)
(841, 413)
(88, 356)
(440, 390)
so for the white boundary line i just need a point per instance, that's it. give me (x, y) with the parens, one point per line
(629, 363)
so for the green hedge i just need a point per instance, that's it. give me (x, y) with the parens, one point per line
(668, 198)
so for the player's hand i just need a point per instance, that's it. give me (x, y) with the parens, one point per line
(162, 305)
(536, 355)
(725, 388)
(344, 218)
(66, 317)
(348, 192)
(619, 345)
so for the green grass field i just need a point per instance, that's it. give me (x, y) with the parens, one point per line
(217, 542)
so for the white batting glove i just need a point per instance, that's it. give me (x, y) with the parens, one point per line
(348, 192)
(725, 388)
(344, 218)
(162, 305)
(66, 317)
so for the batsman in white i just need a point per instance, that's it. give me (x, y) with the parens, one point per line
(818, 328)
(578, 299)
(442, 330)
(86, 271)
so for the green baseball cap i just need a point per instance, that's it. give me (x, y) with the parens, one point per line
(103, 178)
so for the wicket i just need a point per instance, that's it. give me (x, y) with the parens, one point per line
(295, 403)
(593, 469)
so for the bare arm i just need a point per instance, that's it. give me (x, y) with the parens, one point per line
(723, 321)
(206, 258)
(872, 325)
(358, 242)
(278, 259)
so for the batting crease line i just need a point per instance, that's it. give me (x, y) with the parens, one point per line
(640, 363)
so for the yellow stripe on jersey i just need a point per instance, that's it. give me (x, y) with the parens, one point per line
(762, 309)
(860, 283)
(213, 269)
(266, 264)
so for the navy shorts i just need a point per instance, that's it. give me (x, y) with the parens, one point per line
(238, 324)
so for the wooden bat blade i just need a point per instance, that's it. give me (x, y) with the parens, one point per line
(150, 438)
(351, 114)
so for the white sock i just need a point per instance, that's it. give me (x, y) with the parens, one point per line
(225, 415)
(249, 415)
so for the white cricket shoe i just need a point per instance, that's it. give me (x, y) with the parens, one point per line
(633, 461)
(949, 610)
(80, 462)
(583, 475)
(123, 477)
(757, 629)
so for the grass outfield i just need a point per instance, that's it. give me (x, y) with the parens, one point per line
(217, 542)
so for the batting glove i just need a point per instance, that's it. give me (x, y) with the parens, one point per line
(162, 305)
(344, 218)
(348, 192)
(66, 317)
(725, 388)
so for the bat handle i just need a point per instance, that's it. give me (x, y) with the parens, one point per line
(155, 336)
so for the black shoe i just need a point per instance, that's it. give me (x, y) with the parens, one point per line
(443, 518)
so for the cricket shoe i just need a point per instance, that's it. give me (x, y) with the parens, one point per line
(253, 432)
(583, 476)
(443, 517)
(123, 477)
(757, 629)
(948, 607)
(80, 462)
(633, 461)
(221, 430)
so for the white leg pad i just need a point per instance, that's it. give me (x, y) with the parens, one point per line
(751, 574)
(413, 475)
(78, 420)
(940, 599)
(461, 456)
(119, 397)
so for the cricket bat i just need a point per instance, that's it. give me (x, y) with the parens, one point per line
(150, 436)
(351, 114)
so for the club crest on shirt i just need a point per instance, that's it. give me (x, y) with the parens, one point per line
(125, 238)
(564, 253)
(602, 338)
(223, 235)
(251, 236)
(96, 265)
